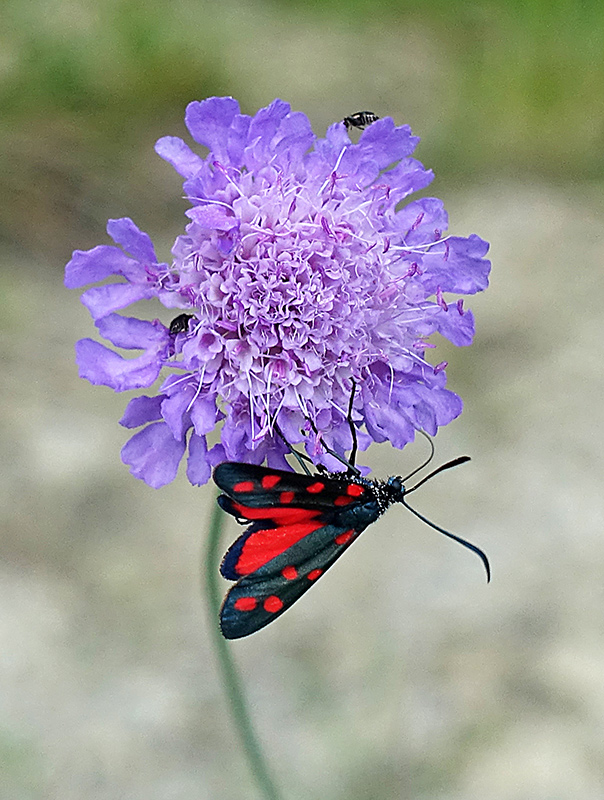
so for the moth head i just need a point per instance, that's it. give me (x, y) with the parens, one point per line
(395, 487)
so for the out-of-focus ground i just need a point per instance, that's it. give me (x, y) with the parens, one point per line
(401, 675)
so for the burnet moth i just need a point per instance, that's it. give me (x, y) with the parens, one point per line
(299, 525)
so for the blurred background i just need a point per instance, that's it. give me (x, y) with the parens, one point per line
(402, 675)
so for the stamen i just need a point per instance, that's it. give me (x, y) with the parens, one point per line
(196, 395)
(210, 201)
(333, 172)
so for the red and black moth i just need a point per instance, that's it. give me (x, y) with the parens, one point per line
(300, 525)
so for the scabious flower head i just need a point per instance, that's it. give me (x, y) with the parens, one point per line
(299, 272)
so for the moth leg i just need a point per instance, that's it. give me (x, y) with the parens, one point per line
(301, 458)
(353, 430)
(350, 468)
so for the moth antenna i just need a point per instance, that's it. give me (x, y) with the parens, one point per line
(427, 461)
(455, 538)
(449, 465)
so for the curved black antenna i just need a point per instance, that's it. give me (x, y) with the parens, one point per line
(427, 461)
(455, 538)
(454, 463)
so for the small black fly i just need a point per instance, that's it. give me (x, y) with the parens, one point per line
(180, 324)
(360, 120)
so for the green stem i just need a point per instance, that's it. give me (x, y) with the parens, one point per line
(230, 677)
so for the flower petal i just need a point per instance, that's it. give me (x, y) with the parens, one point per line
(141, 410)
(455, 327)
(209, 123)
(102, 300)
(204, 414)
(104, 367)
(199, 470)
(179, 155)
(132, 333)
(174, 412)
(385, 143)
(90, 266)
(153, 455)
(212, 217)
(457, 266)
(134, 241)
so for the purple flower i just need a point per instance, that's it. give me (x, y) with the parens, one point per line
(298, 272)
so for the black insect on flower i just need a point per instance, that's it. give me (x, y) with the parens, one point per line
(180, 324)
(360, 120)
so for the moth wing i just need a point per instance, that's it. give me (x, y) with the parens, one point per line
(255, 487)
(263, 595)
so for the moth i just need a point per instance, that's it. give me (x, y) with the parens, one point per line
(299, 525)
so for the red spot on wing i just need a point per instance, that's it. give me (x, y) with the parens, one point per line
(270, 480)
(354, 490)
(314, 574)
(277, 514)
(286, 497)
(244, 486)
(273, 603)
(342, 538)
(315, 488)
(289, 573)
(262, 546)
(245, 603)
(342, 500)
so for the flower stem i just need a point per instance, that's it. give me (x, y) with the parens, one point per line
(230, 677)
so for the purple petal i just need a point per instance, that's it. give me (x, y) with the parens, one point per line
(457, 266)
(134, 241)
(216, 455)
(90, 266)
(388, 423)
(262, 131)
(153, 455)
(408, 176)
(212, 217)
(204, 414)
(293, 138)
(199, 470)
(233, 437)
(421, 220)
(433, 407)
(102, 300)
(237, 138)
(209, 121)
(179, 155)
(132, 333)
(455, 327)
(103, 367)
(173, 410)
(141, 410)
(384, 143)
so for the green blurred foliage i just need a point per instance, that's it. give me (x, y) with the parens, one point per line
(511, 89)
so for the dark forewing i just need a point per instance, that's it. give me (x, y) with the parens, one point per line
(260, 487)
